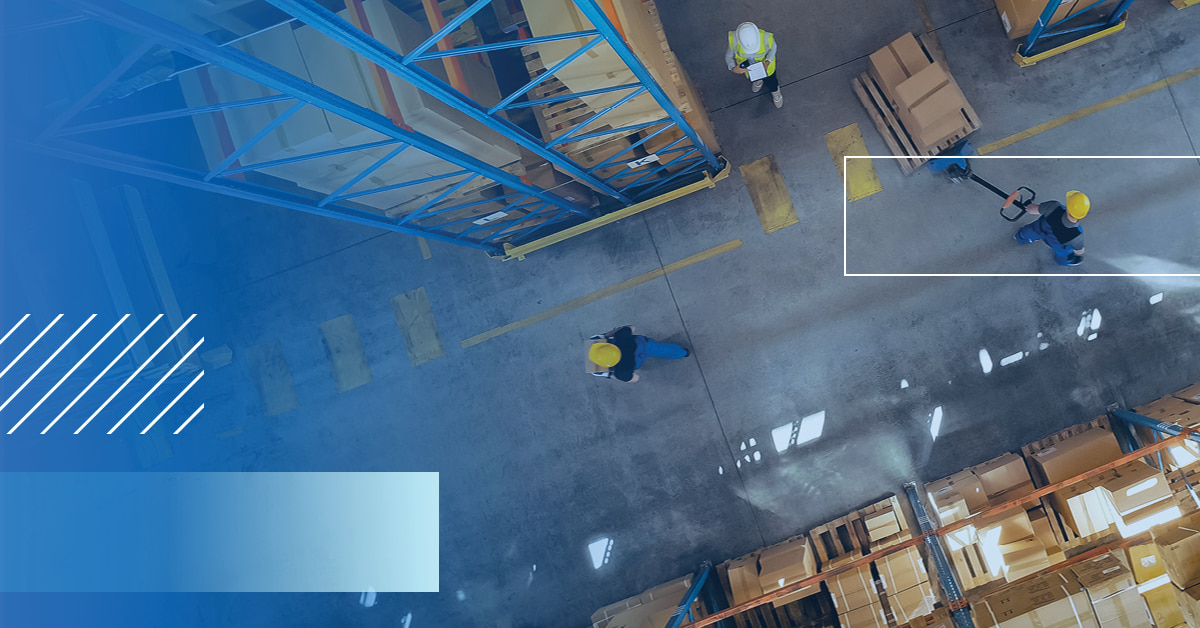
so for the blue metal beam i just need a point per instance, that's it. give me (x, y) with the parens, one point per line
(263, 165)
(142, 167)
(961, 613)
(201, 48)
(362, 175)
(458, 20)
(1170, 429)
(439, 198)
(447, 210)
(258, 137)
(318, 17)
(600, 21)
(503, 45)
(612, 159)
(535, 81)
(572, 96)
(397, 186)
(1044, 28)
(97, 89)
(683, 610)
(169, 115)
(589, 136)
(562, 139)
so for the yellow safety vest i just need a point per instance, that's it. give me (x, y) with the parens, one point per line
(739, 55)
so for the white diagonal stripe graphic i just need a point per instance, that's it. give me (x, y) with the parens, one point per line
(189, 420)
(64, 377)
(177, 397)
(135, 373)
(110, 365)
(14, 328)
(30, 345)
(39, 370)
(159, 382)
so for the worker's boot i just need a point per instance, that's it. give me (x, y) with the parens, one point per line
(777, 96)
(755, 86)
(1074, 260)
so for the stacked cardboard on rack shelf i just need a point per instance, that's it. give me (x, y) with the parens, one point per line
(856, 597)
(1133, 497)
(1054, 600)
(1156, 588)
(923, 94)
(1183, 408)
(1113, 592)
(1177, 546)
(1006, 548)
(906, 584)
(773, 568)
(651, 609)
(316, 58)
(1019, 16)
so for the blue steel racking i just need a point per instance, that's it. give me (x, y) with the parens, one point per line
(680, 162)
(1049, 37)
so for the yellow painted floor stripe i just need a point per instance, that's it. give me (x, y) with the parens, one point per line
(769, 194)
(343, 347)
(273, 377)
(1087, 111)
(859, 174)
(424, 244)
(414, 317)
(574, 304)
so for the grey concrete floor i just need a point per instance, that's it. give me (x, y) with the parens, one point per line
(537, 459)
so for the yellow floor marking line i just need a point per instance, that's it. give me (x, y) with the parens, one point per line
(1087, 111)
(344, 349)
(273, 377)
(602, 293)
(424, 244)
(414, 316)
(769, 194)
(859, 174)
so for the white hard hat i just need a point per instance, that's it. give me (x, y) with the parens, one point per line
(747, 35)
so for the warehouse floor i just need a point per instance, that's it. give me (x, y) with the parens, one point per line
(537, 459)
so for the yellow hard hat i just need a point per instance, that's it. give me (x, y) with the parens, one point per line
(1078, 204)
(604, 354)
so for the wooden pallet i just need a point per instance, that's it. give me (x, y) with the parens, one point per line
(846, 538)
(883, 113)
(813, 611)
(1061, 529)
(557, 118)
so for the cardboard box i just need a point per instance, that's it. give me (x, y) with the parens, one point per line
(1019, 16)
(896, 62)
(926, 99)
(1005, 476)
(882, 524)
(1191, 393)
(547, 177)
(939, 618)
(1145, 563)
(865, 617)
(784, 564)
(743, 578)
(651, 604)
(964, 486)
(1124, 609)
(853, 589)
(1163, 605)
(1026, 597)
(1104, 575)
(1189, 605)
(902, 570)
(1019, 564)
(914, 602)
(1067, 611)
(1012, 529)
(1084, 508)
(1179, 546)
(1134, 486)
(1077, 454)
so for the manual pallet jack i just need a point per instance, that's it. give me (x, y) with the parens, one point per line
(954, 163)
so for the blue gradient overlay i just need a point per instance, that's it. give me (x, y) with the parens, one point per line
(219, 532)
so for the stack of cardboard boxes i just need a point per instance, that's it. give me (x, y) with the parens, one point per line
(926, 99)
(856, 598)
(1158, 592)
(773, 568)
(1182, 408)
(1055, 600)
(651, 609)
(1178, 546)
(1010, 547)
(906, 583)
(1113, 592)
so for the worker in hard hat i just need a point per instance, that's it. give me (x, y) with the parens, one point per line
(619, 353)
(1058, 227)
(750, 46)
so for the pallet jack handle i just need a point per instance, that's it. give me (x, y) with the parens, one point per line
(954, 163)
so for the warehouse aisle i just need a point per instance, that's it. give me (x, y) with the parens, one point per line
(539, 461)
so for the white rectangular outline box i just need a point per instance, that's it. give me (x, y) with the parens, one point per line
(846, 231)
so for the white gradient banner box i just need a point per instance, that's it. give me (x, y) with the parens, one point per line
(219, 532)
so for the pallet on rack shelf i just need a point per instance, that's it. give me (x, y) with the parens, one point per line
(1185, 486)
(814, 611)
(1190, 394)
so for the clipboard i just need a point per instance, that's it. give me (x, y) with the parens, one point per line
(757, 71)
